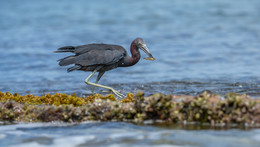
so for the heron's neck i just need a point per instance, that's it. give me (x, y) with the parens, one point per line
(135, 54)
(129, 61)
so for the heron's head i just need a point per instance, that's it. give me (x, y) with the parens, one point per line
(140, 43)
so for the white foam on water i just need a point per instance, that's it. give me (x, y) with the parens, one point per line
(256, 135)
(2, 136)
(115, 134)
(73, 140)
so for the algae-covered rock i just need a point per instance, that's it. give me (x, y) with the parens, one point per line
(203, 108)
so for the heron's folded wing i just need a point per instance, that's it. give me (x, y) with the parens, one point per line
(99, 56)
(88, 47)
(83, 49)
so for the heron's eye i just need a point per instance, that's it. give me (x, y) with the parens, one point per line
(140, 44)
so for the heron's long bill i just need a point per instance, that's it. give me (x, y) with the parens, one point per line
(147, 51)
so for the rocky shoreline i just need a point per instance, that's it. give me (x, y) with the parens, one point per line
(203, 108)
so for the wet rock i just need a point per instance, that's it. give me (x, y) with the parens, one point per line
(203, 108)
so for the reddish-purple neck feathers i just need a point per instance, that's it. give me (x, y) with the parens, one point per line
(135, 53)
(130, 61)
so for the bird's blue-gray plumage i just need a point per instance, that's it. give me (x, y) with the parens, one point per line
(101, 58)
(92, 56)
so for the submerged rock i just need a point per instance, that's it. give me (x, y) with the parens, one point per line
(203, 108)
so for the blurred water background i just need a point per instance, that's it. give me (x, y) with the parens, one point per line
(199, 45)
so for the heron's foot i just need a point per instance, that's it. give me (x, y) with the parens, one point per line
(117, 93)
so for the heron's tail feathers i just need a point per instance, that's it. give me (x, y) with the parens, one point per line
(75, 67)
(67, 61)
(65, 49)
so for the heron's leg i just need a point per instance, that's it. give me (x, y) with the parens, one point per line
(102, 86)
(100, 74)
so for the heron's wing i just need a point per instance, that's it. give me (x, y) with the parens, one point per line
(106, 56)
(88, 47)
(83, 49)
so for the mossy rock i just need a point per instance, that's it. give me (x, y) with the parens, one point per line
(203, 108)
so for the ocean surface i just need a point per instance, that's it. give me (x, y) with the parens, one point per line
(198, 45)
(118, 134)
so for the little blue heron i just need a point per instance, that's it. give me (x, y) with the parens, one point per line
(101, 58)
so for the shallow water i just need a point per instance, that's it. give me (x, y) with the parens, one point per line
(121, 134)
(199, 45)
